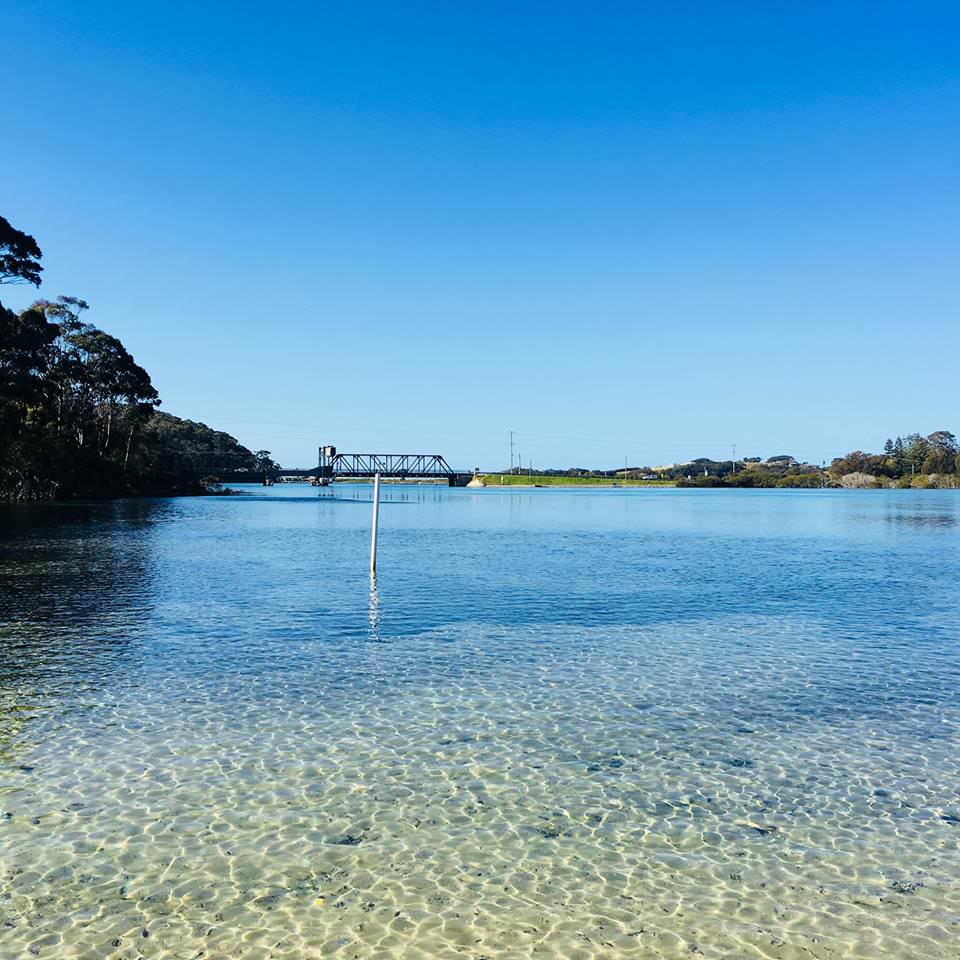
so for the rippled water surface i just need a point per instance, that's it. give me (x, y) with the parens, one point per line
(645, 723)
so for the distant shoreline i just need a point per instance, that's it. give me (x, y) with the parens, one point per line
(493, 480)
(497, 481)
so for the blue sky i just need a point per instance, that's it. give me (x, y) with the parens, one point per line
(643, 230)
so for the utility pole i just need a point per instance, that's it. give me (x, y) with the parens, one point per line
(511, 451)
(734, 458)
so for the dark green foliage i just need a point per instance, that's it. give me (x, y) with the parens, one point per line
(71, 397)
(702, 481)
(878, 465)
(779, 471)
(817, 479)
(172, 453)
(25, 352)
(753, 477)
(905, 457)
(263, 462)
(77, 413)
(19, 256)
(77, 416)
(942, 453)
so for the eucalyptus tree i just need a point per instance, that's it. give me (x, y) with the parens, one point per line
(19, 255)
(942, 454)
(93, 380)
(24, 341)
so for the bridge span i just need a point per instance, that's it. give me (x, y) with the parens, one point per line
(359, 466)
(401, 466)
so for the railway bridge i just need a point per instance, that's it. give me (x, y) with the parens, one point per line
(401, 466)
(358, 466)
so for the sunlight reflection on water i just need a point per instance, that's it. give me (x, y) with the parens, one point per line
(557, 723)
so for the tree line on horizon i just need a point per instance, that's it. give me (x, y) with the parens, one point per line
(78, 415)
(911, 461)
(936, 454)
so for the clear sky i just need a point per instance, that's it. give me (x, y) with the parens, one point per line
(643, 229)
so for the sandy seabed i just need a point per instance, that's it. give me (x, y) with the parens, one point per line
(671, 791)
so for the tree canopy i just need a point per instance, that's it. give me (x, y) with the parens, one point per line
(19, 256)
(915, 455)
(78, 414)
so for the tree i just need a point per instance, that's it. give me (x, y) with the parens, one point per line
(26, 340)
(63, 314)
(26, 351)
(943, 440)
(915, 450)
(65, 389)
(77, 412)
(19, 256)
(95, 378)
(854, 462)
(942, 454)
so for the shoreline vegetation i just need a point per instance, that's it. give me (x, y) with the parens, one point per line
(862, 482)
(913, 462)
(79, 420)
(547, 480)
(78, 415)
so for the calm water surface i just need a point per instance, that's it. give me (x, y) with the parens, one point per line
(648, 723)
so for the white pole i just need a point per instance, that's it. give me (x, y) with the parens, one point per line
(373, 529)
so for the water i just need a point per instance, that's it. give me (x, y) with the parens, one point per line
(644, 723)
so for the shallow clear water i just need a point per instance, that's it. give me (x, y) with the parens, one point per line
(650, 723)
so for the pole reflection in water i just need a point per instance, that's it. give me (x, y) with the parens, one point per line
(374, 610)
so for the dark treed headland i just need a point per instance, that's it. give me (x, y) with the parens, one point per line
(79, 418)
(78, 415)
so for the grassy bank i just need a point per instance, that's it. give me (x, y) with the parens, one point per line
(525, 480)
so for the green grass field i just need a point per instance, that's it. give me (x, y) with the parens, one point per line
(525, 480)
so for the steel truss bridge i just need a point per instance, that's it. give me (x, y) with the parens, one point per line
(357, 466)
(398, 465)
